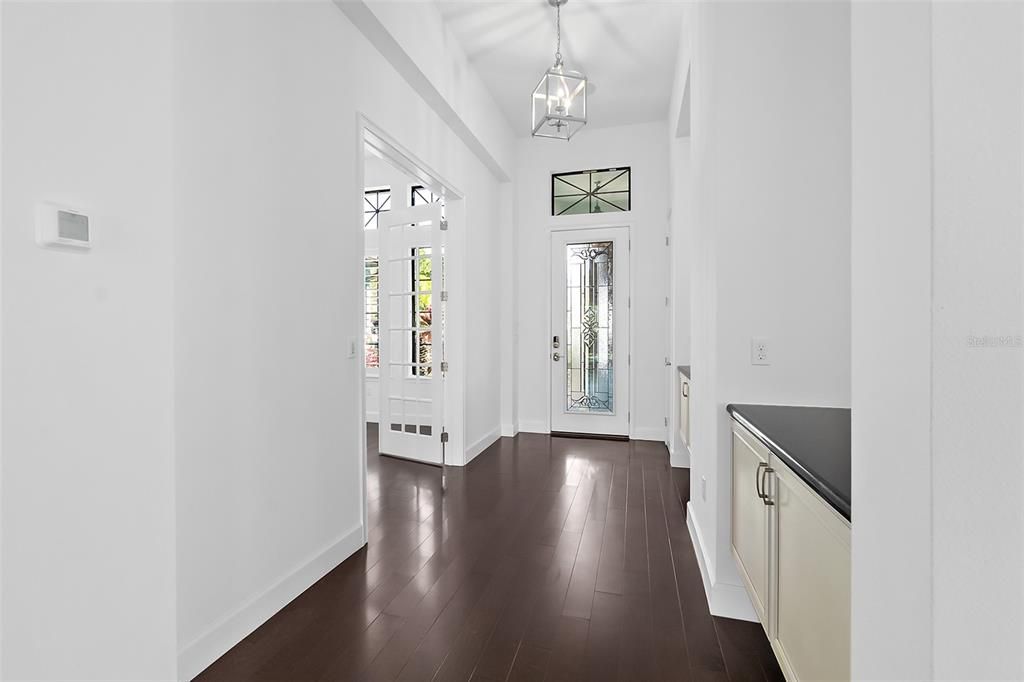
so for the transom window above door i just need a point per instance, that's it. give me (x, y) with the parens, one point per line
(590, 191)
(419, 195)
(375, 200)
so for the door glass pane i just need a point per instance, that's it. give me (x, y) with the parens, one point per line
(589, 302)
(422, 305)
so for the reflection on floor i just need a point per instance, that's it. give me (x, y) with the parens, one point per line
(545, 559)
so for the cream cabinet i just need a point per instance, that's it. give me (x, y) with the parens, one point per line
(793, 553)
(812, 582)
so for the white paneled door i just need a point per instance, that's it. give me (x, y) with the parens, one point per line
(588, 350)
(411, 332)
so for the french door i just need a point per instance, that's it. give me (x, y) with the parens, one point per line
(589, 344)
(411, 332)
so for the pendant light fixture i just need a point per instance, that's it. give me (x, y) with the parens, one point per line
(560, 98)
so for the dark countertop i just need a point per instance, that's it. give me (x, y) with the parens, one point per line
(684, 370)
(813, 441)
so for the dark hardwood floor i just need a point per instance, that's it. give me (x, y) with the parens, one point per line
(545, 559)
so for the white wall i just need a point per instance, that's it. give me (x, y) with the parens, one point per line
(88, 498)
(681, 229)
(771, 258)
(937, 242)
(419, 29)
(180, 413)
(268, 253)
(509, 317)
(978, 114)
(642, 147)
(891, 333)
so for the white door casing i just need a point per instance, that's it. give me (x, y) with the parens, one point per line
(411, 318)
(590, 327)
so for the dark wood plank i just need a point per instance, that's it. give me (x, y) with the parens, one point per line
(545, 559)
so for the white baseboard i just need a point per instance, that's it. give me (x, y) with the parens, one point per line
(509, 430)
(198, 654)
(680, 456)
(642, 433)
(371, 418)
(534, 427)
(476, 448)
(656, 433)
(724, 600)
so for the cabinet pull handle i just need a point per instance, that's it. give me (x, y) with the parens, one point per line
(764, 474)
(758, 476)
(686, 389)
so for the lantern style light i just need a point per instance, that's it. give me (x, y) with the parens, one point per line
(560, 98)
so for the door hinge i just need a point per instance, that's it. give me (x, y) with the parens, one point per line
(629, 301)
(444, 366)
(666, 302)
(444, 296)
(666, 421)
(444, 436)
(666, 241)
(444, 224)
(629, 417)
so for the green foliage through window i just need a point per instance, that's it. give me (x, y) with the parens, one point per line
(371, 332)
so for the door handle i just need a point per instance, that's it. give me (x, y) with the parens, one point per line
(764, 479)
(758, 476)
(556, 357)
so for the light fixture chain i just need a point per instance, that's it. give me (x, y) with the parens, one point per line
(558, 33)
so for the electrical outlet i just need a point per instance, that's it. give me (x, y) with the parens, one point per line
(759, 351)
(703, 489)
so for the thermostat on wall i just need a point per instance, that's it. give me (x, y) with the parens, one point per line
(62, 226)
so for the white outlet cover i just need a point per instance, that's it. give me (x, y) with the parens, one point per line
(759, 354)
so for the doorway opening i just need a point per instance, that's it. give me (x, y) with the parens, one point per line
(411, 401)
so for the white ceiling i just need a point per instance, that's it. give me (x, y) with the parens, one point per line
(626, 48)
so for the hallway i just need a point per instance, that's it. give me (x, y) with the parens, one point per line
(547, 558)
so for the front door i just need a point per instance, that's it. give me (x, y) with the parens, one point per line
(411, 332)
(588, 349)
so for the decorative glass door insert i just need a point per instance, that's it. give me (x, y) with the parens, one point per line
(589, 308)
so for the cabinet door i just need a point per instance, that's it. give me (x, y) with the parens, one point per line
(812, 606)
(750, 517)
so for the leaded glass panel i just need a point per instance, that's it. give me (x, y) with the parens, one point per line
(594, 191)
(589, 313)
(375, 201)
